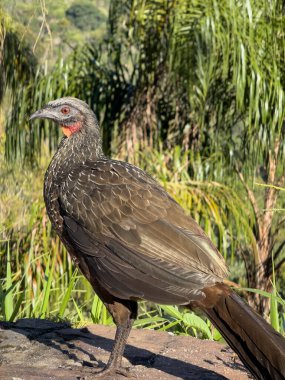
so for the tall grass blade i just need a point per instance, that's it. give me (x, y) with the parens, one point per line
(17, 307)
(67, 295)
(8, 300)
(274, 316)
(47, 287)
(79, 312)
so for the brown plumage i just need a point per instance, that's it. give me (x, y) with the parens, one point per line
(133, 241)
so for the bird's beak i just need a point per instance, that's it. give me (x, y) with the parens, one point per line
(43, 114)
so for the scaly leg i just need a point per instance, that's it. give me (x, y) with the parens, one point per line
(124, 316)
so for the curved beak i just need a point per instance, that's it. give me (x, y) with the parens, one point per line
(44, 114)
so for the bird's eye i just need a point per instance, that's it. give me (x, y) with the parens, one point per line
(65, 110)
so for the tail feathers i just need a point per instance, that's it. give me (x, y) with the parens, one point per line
(259, 346)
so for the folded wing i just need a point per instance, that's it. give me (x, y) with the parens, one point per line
(135, 239)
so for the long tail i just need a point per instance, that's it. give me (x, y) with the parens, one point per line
(259, 346)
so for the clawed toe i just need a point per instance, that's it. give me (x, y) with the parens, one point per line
(110, 373)
(125, 372)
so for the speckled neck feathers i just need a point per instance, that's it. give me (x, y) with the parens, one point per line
(73, 152)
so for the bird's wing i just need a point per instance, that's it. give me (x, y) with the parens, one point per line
(122, 220)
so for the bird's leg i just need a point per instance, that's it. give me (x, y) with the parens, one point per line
(115, 359)
(124, 316)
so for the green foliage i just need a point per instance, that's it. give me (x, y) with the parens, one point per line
(277, 305)
(17, 63)
(47, 30)
(33, 281)
(231, 55)
(217, 96)
(172, 318)
(274, 317)
(85, 16)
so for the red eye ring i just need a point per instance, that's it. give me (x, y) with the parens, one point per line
(65, 110)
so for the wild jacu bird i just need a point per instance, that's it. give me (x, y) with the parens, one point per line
(132, 241)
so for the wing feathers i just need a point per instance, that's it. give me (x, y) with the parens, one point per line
(135, 237)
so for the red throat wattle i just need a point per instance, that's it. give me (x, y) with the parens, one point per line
(68, 130)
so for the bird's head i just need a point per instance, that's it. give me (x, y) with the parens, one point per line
(72, 114)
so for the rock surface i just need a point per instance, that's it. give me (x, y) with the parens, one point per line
(33, 349)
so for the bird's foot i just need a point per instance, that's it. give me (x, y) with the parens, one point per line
(111, 372)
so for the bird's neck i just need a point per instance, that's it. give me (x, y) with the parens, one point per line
(73, 152)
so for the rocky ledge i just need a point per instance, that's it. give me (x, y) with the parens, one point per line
(34, 349)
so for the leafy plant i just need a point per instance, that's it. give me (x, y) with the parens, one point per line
(17, 63)
(174, 319)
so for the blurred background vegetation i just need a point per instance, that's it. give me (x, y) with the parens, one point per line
(192, 92)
